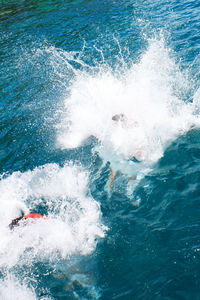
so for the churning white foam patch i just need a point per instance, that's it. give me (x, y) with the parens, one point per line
(149, 95)
(74, 217)
(11, 289)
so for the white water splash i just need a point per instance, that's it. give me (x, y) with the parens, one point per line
(74, 218)
(148, 94)
(12, 289)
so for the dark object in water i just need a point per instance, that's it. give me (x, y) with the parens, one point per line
(16, 222)
(117, 118)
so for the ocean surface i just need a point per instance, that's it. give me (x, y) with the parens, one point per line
(121, 197)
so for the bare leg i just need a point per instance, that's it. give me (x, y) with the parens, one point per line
(112, 178)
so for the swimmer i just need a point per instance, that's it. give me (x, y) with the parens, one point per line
(124, 121)
(16, 221)
(119, 117)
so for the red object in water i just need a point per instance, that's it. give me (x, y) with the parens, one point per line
(34, 216)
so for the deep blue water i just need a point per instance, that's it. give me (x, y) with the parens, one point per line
(151, 249)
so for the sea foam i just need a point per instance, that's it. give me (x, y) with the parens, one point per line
(152, 95)
(73, 221)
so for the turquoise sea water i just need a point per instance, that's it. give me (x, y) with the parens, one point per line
(66, 68)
